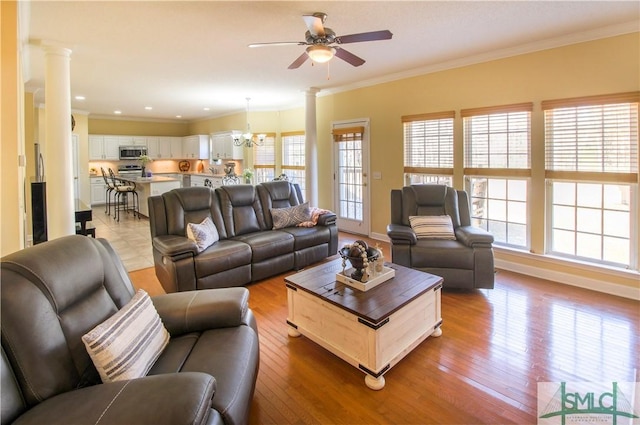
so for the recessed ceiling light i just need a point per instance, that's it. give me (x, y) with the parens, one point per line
(148, 108)
(80, 98)
(207, 109)
(117, 112)
(178, 116)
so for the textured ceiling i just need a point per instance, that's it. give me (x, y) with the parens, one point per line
(181, 57)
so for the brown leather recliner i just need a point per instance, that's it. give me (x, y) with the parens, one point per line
(466, 262)
(55, 292)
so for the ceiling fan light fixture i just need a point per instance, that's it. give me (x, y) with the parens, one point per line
(320, 54)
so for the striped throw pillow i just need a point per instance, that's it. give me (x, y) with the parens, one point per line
(127, 344)
(432, 226)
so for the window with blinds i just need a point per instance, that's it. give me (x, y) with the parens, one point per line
(293, 158)
(591, 163)
(428, 143)
(591, 138)
(265, 160)
(497, 146)
(497, 137)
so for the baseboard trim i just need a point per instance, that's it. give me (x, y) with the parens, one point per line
(570, 279)
(380, 237)
(556, 276)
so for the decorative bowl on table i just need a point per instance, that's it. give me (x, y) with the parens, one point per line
(359, 256)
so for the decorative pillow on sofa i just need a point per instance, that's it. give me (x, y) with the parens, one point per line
(432, 226)
(290, 216)
(127, 344)
(204, 234)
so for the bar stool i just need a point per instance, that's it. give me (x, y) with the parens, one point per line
(108, 191)
(122, 190)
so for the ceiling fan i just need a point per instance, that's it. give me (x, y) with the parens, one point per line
(322, 42)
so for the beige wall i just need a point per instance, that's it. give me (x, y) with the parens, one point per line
(604, 66)
(138, 128)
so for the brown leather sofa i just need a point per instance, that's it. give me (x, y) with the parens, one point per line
(248, 250)
(466, 262)
(55, 292)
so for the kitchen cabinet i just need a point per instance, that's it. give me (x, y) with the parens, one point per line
(98, 191)
(153, 147)
(195, 147)
(222, 146)
(197, 180)
(136, 141)
(164, 147)
(176, 147)
(103, 147)
(170, 147)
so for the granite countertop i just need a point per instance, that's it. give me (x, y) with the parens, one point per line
(152, 179)
(191, 173)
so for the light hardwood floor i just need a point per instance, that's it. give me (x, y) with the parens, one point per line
(497, 345)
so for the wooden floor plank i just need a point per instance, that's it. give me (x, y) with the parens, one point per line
(497, 344)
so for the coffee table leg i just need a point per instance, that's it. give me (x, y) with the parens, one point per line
(437, 332)
(374, 383)
(293, 332)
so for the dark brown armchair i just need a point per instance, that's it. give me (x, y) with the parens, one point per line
(465, 261)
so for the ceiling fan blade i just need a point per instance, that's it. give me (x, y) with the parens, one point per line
(314, 23)
(364, 36)
(301, 59)
(279, 43)
(349, 57)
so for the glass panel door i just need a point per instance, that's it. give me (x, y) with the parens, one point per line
(351, 181)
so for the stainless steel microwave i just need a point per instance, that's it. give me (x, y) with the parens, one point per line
(132, 152)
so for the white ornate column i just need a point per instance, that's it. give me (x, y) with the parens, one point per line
(58, 154)
(311, 147)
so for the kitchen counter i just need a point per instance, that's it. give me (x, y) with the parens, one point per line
(151, 186)
(152, 179)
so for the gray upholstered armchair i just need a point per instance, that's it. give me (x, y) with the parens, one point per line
(465, 261)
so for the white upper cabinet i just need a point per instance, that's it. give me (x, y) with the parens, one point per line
(195, 147)
(104, 147)
(222, 146)
(153, 147)
(175, 146)
(139, 141)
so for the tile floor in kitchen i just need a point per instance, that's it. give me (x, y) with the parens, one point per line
(130, 237)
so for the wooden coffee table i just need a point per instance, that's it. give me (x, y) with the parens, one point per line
(371, 330)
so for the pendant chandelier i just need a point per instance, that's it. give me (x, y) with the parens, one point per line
(248, 138)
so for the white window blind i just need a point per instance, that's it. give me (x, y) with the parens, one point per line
(497, 137)
(428, 143)
(588, 138)
(266, 153)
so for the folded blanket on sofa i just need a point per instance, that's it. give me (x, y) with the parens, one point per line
(315, 214)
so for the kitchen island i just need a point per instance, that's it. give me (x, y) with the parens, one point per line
(151, 186)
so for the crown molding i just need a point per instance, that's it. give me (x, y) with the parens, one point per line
(547, 44)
